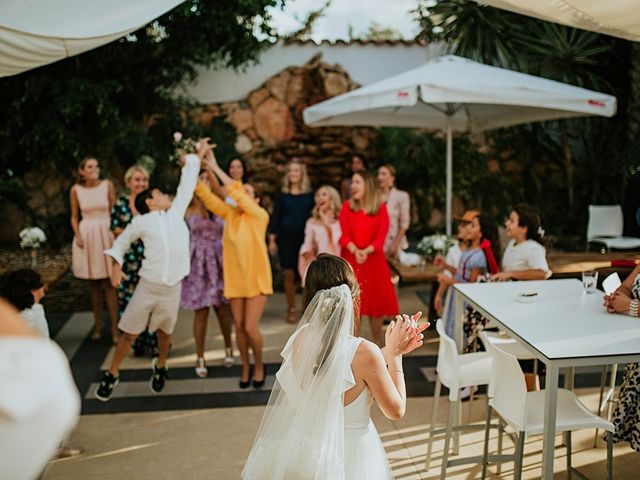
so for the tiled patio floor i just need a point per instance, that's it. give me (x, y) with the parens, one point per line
(172, 436)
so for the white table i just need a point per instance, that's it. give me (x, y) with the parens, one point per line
(564, 328)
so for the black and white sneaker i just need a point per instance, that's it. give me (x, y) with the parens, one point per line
(159, 377)
(107, 384)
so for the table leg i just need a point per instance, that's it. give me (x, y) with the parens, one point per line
(550, 412)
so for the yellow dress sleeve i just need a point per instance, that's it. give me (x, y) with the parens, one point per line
(246, 203)
(212, 202)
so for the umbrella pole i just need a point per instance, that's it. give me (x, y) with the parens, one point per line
(449, 174)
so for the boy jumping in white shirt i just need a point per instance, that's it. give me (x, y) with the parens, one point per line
(156, 300)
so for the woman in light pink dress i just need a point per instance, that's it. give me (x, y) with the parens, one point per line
(91, 201)
(322, 231)
(398, 203)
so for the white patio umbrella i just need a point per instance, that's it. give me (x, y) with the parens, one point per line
(38, 32)
(456, 94)
(618, 18)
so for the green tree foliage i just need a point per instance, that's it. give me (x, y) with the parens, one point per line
(420, 161)
(309, 23)
(119, 101)
(381, 33)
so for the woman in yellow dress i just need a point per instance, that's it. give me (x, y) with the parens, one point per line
(245, 263)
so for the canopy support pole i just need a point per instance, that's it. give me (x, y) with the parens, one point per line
(449, 174)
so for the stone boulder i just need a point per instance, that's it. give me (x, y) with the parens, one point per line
(241, 119)
(243, 144)
(273, 121)
(278, 86)
(335, 84)
(296, 90)
(257, 97)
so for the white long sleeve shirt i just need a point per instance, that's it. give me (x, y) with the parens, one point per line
(164, 233)
(36, 319)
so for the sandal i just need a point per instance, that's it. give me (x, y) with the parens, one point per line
(292, 316)
(201, 368)
(228, 359)
(95, 336)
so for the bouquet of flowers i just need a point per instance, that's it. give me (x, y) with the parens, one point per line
(432, 245)
(32, 237)
(183, 146)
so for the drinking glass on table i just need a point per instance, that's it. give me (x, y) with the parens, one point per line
(589, 280)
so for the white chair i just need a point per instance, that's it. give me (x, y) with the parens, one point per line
(605, 227)
(524, 411)
(513, 347)
(508, 345)
(455, 372)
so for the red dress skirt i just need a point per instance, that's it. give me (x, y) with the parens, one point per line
(378, 297)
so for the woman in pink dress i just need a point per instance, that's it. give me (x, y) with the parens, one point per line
(364, 222)
(322, 231)
(397, 202)
(91, 201)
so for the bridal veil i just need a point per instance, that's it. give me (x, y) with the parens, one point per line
(302, 432)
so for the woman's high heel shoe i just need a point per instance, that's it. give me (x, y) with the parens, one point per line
(260, 383)
(247, 384)
(292, 316)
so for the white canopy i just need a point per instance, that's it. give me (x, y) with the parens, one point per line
(38, 32)
(619, 18)
(456, 94)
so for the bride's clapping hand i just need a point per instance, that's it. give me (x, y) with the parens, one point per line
(403, 335)
(417, 337)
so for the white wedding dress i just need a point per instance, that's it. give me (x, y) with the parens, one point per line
(364, 455)
(307, 433)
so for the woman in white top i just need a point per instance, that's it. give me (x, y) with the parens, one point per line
(316, 424)
(525, 257)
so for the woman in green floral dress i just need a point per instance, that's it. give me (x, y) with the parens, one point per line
(136, 179)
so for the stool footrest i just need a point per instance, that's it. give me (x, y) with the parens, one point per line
(478, 459)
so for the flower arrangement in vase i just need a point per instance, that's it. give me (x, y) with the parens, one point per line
(32, 238)
(432, 245)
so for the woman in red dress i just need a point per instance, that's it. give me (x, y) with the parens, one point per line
(365, 223)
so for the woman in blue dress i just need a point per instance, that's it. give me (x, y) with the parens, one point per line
(286, 232)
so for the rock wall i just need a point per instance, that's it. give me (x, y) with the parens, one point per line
(270, 129)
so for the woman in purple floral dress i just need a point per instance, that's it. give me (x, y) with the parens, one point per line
(203, 287)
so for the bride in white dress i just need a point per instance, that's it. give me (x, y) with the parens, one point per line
(316, 424)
